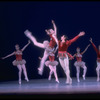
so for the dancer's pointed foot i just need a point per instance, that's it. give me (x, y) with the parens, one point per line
(20, 81)
(40, 71)
(78, 80)
(27, 33)
(27, 79)
(98, 79)
(57, 81)
(83, 77)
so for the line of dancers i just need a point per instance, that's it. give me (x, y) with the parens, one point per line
(50, 48)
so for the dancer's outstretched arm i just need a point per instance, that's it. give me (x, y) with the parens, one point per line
(95, 48)
(74, 55)
(26, 46)
(79, 35)
(8, 55)
(33, 39)
(85, 49)
(55, 28)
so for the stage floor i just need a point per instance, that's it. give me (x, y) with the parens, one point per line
(43, 86)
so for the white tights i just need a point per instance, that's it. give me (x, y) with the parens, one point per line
(20, 68)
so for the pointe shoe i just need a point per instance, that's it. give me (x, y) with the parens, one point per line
(27, 33)
(97, 79)
(27, 79)
(83, 77)
(40, 71)
(49, 78)
(57, 81)
(78, 80)
(70, 81)
(20, 82)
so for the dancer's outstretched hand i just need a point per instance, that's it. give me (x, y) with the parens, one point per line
(82, 33)
(90, 40)
(53, 21)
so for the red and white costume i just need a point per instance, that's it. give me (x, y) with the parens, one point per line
(51, 63)
(98, 61)
(20, 63)
(19, 60)
(48, 46)
(79, 63)
(63, 57)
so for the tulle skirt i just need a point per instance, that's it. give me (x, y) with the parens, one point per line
(52, 63)
(79, 63)
(16, 62)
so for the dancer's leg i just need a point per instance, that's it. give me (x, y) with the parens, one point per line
(25, 72)
(19, 73)
(55, 74)
(67, 70)
(41, 67)
(98, 71)
(51, 72)
(84, 71)
(77, 73)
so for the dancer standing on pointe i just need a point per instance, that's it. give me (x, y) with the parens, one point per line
(46, 44)
(52, 63)
(98, 59)
(79, 63)
(63, 55)
(19, 62)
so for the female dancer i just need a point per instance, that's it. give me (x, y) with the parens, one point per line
(51, 63)
(46, 44)
(19, 62)
(79, 63)
(98, 58)
(63, 56)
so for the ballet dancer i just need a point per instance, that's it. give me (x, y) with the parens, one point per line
(63, 55)
(79, 63)
(52, 63)
(98, 59)
(19, 62)
(46, 44)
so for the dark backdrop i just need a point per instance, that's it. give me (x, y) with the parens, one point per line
(70, 19)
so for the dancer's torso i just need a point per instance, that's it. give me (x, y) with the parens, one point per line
(18, 55)
(79, 57)
(52, 42)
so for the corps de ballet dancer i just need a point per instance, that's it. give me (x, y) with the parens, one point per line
(98, 59)
(79, 63)
(63, 54)
(46, 44)
(19, 61)
(52, 63)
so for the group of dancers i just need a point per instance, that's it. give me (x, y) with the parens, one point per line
(50, 49)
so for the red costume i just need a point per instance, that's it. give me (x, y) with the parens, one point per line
(97, 51)
(18, 57)
(62, 50)
(79, 57)
(52, 41)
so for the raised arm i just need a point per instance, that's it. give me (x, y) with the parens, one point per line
(85, 49)
(55, 28)
(79, 35)
(8, 55)
(26, 45)
(33, 39)
(95, 48)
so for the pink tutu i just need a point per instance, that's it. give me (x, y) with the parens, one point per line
(52, 63)
(21, 62)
